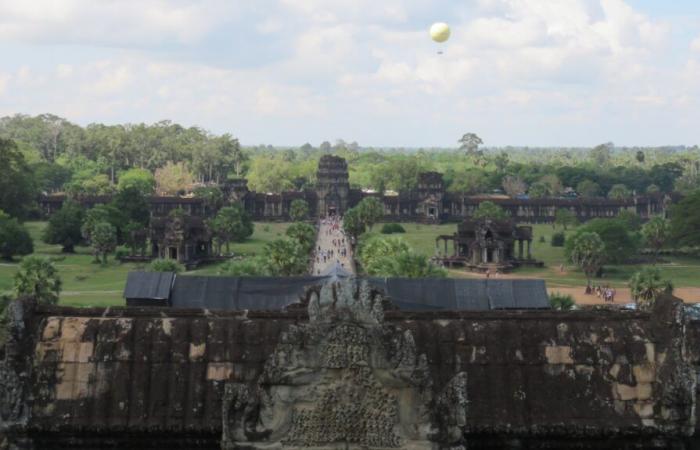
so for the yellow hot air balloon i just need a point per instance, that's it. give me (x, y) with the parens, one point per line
(440, 32)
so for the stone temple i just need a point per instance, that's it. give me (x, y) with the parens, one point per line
(428, 202)
(344, 368)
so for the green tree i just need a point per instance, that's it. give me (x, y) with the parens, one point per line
(232, 224)
(602, 154)
(588, 189)
(630, 220)
(17, 189)
(135, 237)
(139, 179)
(409, 265)
(469, 181)
(538, 189)
(370, 210)
(376, 248)
(620, 243)
(640, 156)
(587, 251)
(619, 192)
(647, 285)
(213, 196)
(285, 257)
(489, 211)
(552, 184)
(565, 218)
(104, 240)
(303, 233)
(90, 186)
(129, 205)
(99, 214)
(39, 278)
(353, 223)
(50, 177)
(652, 189)
(393, 257)
(501, 162)
(685, 221)
(173, 179)
(469, 143)
(64, 227)
(14, 238)
(656, 233)
(165, 265)
(298, 210)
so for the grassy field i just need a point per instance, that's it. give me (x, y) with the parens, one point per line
(685, 272)
(88, 284)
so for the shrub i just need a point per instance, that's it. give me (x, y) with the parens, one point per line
(542, 239)
(390, 228)
(558, 239)
(561, 302)
(121, 252)
(165, 265)
(246, 267)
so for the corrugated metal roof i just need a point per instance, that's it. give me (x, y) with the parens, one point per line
(410, 294)
(239, 293)
(155, 285)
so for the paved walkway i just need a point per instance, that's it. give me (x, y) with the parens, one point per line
(332, 248)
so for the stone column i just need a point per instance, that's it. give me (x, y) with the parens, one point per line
(529, 254)
(520, 249)
(484, 255)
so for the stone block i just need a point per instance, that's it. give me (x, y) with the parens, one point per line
(644, 373)
(558, 354)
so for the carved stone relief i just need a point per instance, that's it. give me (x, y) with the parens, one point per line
(346, 379)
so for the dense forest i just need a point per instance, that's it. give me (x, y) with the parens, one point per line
(54, 155)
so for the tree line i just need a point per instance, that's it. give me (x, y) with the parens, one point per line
(48, 154)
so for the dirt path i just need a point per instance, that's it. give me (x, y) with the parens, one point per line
(331, 242)
(623, 295)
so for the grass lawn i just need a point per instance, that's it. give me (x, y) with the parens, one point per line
(89, 284)
(685, 272)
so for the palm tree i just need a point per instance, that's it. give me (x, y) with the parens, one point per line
(38, 277)
(647, 285)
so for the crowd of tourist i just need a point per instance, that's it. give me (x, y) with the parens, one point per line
(332, 245)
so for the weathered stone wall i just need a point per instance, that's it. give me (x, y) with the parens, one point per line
(82, 374)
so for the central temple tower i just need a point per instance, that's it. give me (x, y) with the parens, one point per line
(332, 186)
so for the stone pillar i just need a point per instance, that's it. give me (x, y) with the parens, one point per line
(445, 247)
(520, 249)
(484, 255)
(529, 254)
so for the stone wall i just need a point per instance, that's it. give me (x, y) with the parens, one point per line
(432, 380)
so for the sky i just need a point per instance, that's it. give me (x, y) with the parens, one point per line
(286, 72)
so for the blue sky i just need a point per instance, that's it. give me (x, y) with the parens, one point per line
(285, 72)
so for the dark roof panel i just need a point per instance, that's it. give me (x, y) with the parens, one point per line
(149, 285)
(277, 293)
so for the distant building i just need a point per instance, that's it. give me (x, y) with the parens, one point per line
(487, 245)
(180, 237)
(428, 202)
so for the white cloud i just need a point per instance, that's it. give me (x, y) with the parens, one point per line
(126, 22)
(513, 68)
